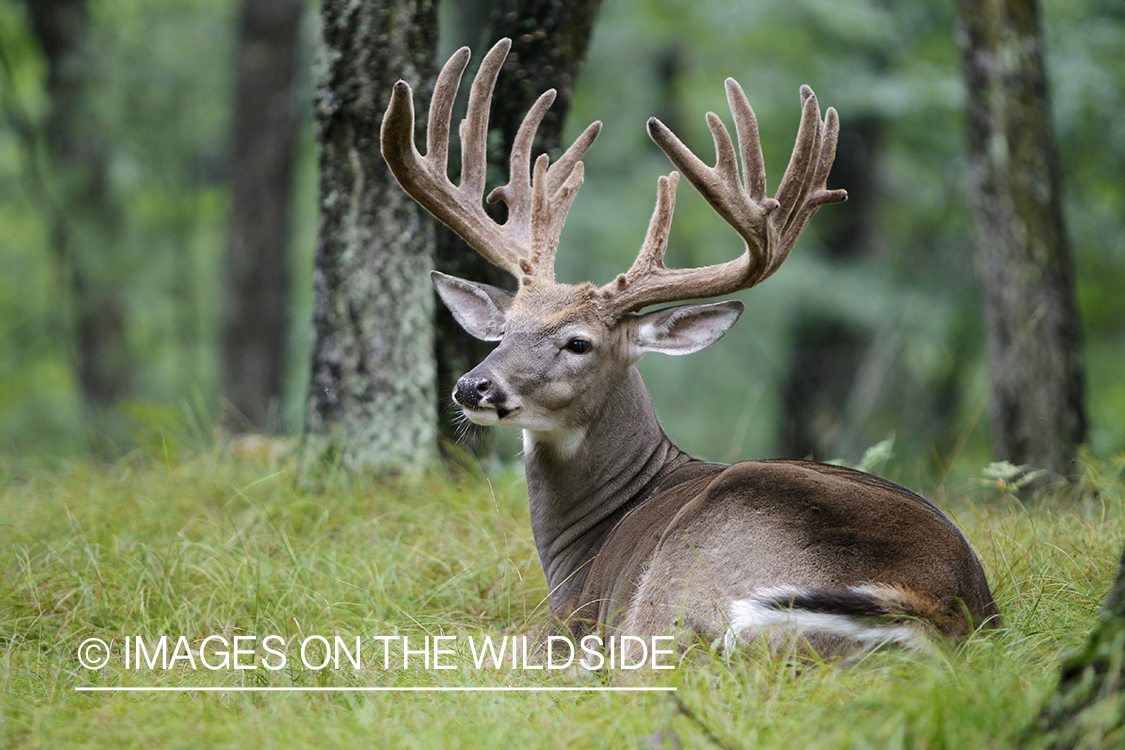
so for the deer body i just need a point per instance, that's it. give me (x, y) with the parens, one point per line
(635, 536)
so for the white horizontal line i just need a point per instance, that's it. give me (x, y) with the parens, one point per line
(249, 689)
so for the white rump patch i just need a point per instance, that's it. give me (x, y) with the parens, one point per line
(761, 613)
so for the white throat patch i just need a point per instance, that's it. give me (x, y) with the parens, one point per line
(563, 443)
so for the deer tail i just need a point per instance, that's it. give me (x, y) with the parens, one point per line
(868, 615)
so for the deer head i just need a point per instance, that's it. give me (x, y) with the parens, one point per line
(562, 346)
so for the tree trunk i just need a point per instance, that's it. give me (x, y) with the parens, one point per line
(257, 272)
(371, 397)
(1087, 710)
(1033, 331)
(86, 223)
(549, 40)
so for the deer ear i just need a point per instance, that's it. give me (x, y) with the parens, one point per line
(479, 308)
(684, 329)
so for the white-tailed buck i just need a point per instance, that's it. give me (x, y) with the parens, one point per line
(635, 536)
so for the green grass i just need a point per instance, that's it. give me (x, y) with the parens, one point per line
(211, 544)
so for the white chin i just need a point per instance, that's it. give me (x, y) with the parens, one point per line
(484, 417)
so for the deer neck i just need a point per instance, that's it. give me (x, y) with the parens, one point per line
(582, 481)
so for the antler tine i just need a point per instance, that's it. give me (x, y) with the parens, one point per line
(769, 226)
(650, 260)
(562, 170)
(525, 244)
(441, 106)
(794, 183)
(516, 193)
(749, 141)
(474, 128)
(818, 195)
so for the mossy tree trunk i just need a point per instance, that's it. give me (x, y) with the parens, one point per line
(257, 273)
(1087, 710)
(371, 399)
(1033, 331)
(549, 41)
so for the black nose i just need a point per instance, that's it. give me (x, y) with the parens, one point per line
(470, 391)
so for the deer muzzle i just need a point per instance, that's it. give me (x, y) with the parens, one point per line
(470, 391)
(475, 393)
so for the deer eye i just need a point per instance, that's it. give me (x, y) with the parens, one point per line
(578, 346)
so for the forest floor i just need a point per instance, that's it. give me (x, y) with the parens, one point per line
(209, 571)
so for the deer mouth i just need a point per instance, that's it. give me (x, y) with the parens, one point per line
(485, 413)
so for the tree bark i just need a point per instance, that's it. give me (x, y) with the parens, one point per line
(87, 222)
(1033, 331)
(549, 41)
(1087, 710)
(257, 272)
(371, 398)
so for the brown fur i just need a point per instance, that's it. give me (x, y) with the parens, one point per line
(723, 532)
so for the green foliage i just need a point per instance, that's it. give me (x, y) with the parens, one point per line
(874, 458)
(237, 539)
(1005, 476)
